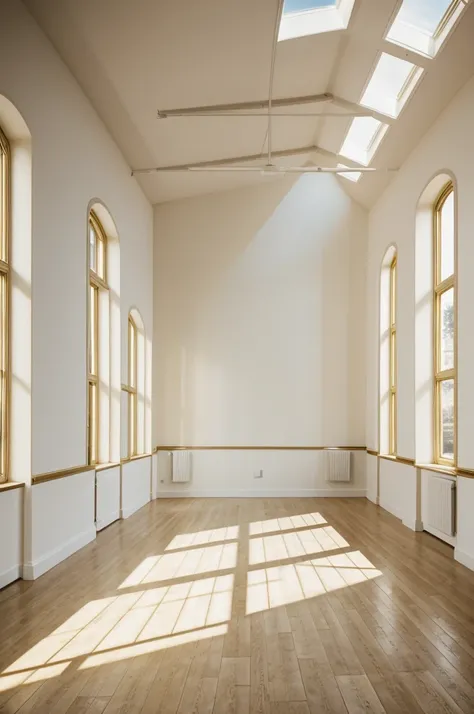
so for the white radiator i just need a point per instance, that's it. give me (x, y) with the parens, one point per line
(441, 501)
(181, 466)
(338, 465)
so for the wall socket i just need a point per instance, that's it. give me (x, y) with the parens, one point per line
(258, 474)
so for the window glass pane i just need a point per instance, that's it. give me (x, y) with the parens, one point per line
(93, 297)
(2, 208)
(385, 89)
(393, 359)
(447, 419)
(304, 5)
(362, 139)
(133, 355)
(446, 336)
(425, 14)
(132, 421)
(92, 249)
(447, 237)
(92, 425)
(101, 258)
(3, 376)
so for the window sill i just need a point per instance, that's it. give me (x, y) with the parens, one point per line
(10, 486)
(438, 468)
(109, 465)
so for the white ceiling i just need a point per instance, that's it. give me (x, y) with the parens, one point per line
(133, 58)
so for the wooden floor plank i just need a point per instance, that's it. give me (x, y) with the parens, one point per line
(269, 606)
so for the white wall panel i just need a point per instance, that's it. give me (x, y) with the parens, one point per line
(136, 485)
(62, 521)
(107, 497)
(11, 540)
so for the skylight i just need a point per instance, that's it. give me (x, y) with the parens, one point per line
(363, 139)
(392, 82)
(423, 25)
(311, 17)
(353, 176)
(305, 5)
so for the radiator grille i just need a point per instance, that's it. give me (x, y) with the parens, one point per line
(181, 466)
(441, 500)
(338, 466)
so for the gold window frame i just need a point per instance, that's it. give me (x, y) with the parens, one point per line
(5, 287)
(440, 288)
(392, 362)
(97, 283)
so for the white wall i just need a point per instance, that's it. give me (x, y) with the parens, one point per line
(62, 521)
(447, 147)
(464, 551)
(371, 465)
(136, 485)
(11, 521)
(398, 489)
(259, 317)
(74, 162)
(235, 473)
(107, 497)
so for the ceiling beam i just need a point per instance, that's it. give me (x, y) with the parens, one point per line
(227, 161)
(244, 106)
(354, 107)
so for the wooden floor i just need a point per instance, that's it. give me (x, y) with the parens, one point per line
(244, 605)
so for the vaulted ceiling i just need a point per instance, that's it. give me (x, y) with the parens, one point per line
(133, 58)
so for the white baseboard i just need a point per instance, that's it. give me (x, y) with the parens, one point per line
(242, 493)
(451, 540)
(414, 525)
(31, 571)
(130, 510)
(10, 575)
(104, 522)
(464, 558)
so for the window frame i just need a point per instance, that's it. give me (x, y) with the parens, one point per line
(5, 287)
(392, 361)
(132, 387)
(97, 283)
(440, 288)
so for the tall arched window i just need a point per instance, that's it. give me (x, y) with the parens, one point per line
(388, 354)
(444, 328)
(392, 417)
(132, 386)
(97, 285)
(4, 301)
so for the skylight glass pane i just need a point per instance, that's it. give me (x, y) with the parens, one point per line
(419, 24)
(362, 139)
(389, 86)
(423, 14)
(305, 5)
(353, 176)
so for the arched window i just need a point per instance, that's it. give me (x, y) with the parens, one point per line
(388, 354)
(132, 385)
(134, 415)
(97, 285)
(4, 302)
(444, 331)
(392, 370)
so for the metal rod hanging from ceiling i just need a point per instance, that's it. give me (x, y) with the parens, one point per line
(272, 76)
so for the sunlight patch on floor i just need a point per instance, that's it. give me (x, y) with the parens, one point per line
(284, 584)
(155, 615)
(291, 545)
(216, 535)
(182, 564)
(286, 523)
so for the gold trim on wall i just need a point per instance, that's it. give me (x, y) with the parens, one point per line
(260, 448)
(135, 458)
(53, 475)
(104, 467)
(10, 486)
(372, 453)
